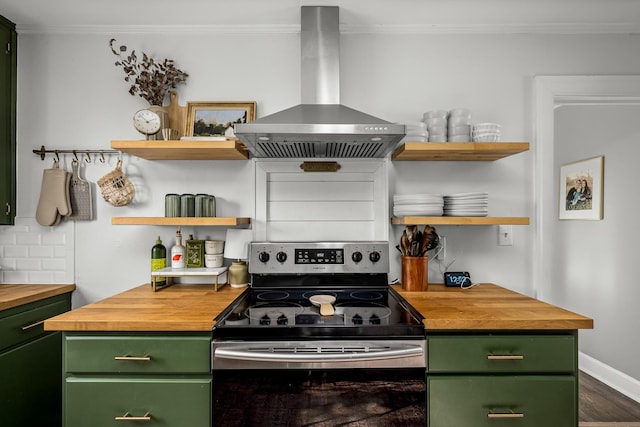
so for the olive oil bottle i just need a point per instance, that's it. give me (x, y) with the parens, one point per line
(159, 261)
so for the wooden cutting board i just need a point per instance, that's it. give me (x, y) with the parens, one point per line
(80, 196)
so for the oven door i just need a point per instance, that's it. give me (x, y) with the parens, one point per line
(319, 383)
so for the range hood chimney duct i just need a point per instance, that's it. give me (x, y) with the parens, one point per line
(320, 126)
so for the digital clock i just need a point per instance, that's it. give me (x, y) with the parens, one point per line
(457, 279)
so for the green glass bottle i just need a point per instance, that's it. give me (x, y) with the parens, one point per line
(159, 261)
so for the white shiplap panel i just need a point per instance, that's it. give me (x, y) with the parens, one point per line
(320, 190)
(316, 210)
(321, 210)
(321, 176)
(309, 231)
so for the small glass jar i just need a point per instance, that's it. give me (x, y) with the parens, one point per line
(201, 205)
(210, 206)
(172, 205)
(187, 205)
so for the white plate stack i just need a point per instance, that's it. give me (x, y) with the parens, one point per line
(416, 132)
(418, 205)
(466, 204)
(459, 125)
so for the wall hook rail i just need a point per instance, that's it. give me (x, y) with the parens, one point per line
(43, 151)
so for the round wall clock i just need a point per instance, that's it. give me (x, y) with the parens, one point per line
(146, 122)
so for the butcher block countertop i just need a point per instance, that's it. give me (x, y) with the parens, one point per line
(187, 307)
(181, 307)
(14, 295)
(489, 307)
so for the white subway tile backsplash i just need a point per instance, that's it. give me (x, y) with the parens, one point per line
(53, 264)
(7, 237)
(61, 251)
(63, 277)
(18, 228)
(55, 238)
(29, 264)
(15, 276)
(7, 264)
(41, 277)
(16, 251)
(27, 238)
(35, 254)
(41, 251)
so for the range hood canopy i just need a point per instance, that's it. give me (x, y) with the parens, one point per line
(320, 126)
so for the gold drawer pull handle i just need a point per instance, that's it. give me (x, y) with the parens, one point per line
(505, 357)
(146, 358)
(33, 325)
(127, 417)
(510, 414)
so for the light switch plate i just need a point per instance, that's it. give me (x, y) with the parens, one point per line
(505, 235)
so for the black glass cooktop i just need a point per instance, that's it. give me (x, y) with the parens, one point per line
(282, 313)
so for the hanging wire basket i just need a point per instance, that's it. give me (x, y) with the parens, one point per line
(116, 188)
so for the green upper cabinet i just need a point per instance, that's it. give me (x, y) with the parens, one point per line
(8, 66)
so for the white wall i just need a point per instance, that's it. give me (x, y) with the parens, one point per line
(70, 95)
(593, 261)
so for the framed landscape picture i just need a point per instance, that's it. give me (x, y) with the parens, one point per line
(216, 119)
(581, 189)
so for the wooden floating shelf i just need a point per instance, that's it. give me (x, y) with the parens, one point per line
(458, 151)
(459, 220)
(183, 150)
(198, 221)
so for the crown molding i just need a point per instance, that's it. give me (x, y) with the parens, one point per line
(399, 29)
(521, 28)
(157, 29)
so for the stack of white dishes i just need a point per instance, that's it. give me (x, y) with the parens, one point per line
(416, 132)
(436, 122)
(466, 204)
(486, 132)
(418, 205)
(459, 125)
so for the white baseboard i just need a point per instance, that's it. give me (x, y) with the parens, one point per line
(615, 379)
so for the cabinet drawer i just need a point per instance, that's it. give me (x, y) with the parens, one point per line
(98, 402)
(137, 354)
(505, 401)
(492, 353)
(26, 322)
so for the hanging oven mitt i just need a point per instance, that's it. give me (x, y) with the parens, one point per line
(54, 196)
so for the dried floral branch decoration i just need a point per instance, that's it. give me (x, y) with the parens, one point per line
(150, 79)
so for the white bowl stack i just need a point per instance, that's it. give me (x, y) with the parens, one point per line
(213, 253)
(466, 204)
(436, 122)
(459, 125)
(418, 205)
(486, 132)
(416, 132)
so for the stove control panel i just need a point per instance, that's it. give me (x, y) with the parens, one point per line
(318, 257)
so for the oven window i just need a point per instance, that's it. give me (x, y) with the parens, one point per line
(321, 398)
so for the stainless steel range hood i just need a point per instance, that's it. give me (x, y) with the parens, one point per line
(320, 126)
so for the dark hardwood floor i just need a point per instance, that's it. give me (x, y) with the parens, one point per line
(601, 403)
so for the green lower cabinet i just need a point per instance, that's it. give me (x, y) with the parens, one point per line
(151, 379)
(30, 388)
(504, 401)
(101, 402)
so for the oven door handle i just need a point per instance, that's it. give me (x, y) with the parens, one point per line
(293, 357)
